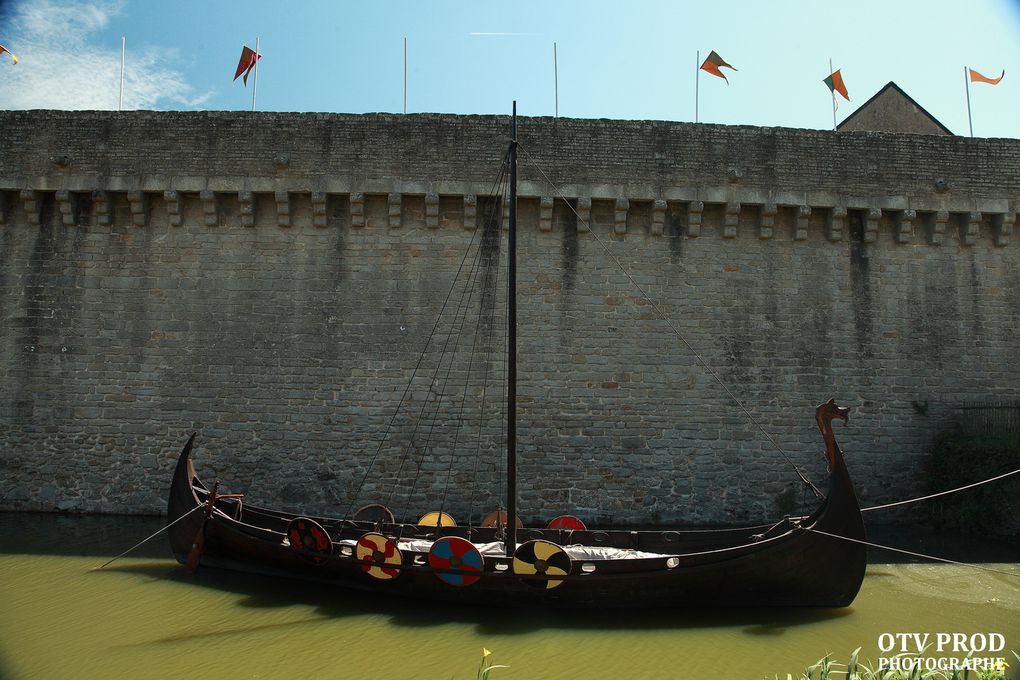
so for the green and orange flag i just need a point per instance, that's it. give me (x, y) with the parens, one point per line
(835, 84)
(713, 63)
(976, 77)
(3, 49)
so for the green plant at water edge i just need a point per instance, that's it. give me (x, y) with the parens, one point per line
(486, 665)
(959, 459)
(827, 668)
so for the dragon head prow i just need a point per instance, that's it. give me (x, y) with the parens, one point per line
(829, 411)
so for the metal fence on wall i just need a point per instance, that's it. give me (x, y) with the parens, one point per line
(991, 419)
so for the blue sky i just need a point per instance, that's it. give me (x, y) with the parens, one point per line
(633, 60)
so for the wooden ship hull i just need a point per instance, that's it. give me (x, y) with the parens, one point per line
(787, 564)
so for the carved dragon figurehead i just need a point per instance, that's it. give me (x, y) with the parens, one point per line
(824, 415)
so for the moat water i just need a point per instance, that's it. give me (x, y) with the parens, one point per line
(143, 617)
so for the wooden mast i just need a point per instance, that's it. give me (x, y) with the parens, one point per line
(511, 366)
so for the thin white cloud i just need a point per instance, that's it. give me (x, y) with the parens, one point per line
(62, 67)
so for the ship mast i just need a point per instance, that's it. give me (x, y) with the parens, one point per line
(511, 367)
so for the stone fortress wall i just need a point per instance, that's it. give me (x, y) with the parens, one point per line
(270, 279)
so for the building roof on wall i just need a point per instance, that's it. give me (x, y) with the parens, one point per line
(877, 101)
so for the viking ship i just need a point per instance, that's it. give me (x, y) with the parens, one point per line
(817, 559)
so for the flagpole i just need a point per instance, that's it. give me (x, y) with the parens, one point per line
(405, 74)
(697, 80)
(255, 82)
(833, 93)
(120, 100)
(556, 80)
(966, 83)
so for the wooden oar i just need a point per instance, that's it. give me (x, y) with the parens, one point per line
(198, 545)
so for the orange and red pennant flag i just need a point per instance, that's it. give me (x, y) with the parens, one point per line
(14, 59)
(247, 63)
(835, 84)
(976, 77)
(713, 63)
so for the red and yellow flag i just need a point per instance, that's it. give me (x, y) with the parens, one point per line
(713, 63)
(3, 49)
(247, 63)
(835, 84)
(976, 77)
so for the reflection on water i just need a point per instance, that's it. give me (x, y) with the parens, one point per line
(142, 617)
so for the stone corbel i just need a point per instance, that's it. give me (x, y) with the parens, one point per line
(658, 217)
(101, 204)
(432, 210)
(470, 211)
(209, 216)
(546, 213)
(282, 208)
(65, 204)
(1003, 224)
(30, 200)
(905, 228)
(393, 201)
(172, 199)
(767, 220)
(730, 220)
(620, 216)
(837, 223)
(971, 228)
(695, 210)
(938, 227)
(358, 209)
(871, 221)
(246, 203)
(137, 202)
(583, 213)
(800, 231)
(319, 209)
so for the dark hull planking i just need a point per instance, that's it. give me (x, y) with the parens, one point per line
(789, 566)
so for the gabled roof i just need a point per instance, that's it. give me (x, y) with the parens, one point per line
(868, 115)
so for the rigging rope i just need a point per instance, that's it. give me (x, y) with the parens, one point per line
(467, 294)
(913, 554)
(421, 358)
(669, 322)
(940, 493)
(489, 225)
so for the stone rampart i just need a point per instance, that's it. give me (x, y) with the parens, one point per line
(269, 280)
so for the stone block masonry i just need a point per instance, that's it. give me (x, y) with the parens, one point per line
(269, 280)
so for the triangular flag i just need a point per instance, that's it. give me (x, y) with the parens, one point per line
(3, 49)
(712, 64)
(247, 63)
(976, 77)
(835, 84)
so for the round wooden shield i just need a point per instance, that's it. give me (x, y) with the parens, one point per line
(543, 558)
(498, 517)
(309, 540)
(453, 552)
(431, 519)
(373, 513)
(379, 556)
(567, 522)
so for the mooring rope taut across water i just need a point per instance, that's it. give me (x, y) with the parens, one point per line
(914, 554)
(146, 540)
(941, 493)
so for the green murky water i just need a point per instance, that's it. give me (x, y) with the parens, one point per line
(142, 617)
